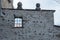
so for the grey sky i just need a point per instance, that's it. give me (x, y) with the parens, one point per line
(45, 4)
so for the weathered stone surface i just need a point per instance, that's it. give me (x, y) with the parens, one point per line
(38, 25)
(0, 5)
(7, 3)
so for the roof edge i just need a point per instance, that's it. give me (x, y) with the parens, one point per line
(27, 9)
(56, 26)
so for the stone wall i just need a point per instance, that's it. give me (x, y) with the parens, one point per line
(37, 25)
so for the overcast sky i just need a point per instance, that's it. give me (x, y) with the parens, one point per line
(45, 4)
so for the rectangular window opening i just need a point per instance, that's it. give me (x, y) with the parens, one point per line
(18, 22)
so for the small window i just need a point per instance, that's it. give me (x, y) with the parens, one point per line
(18, 22)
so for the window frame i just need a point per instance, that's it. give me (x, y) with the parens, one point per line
(22, 22)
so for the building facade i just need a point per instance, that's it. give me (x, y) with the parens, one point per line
(37, 25)
(32, 25)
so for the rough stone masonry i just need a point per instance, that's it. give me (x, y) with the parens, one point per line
(37, 25)
(0, 5)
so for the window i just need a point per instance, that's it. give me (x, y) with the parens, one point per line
(18, 22)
